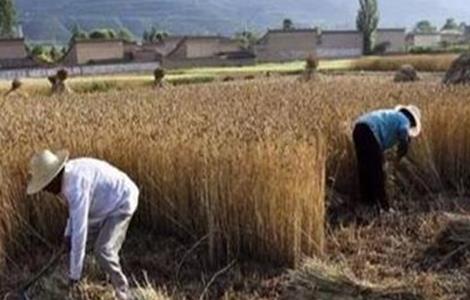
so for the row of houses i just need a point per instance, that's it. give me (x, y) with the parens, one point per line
(284, 45)
(184, 51)
(438, 39)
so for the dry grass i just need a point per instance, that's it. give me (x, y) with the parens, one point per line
(321, 280)
(423, 63)
(237, 166)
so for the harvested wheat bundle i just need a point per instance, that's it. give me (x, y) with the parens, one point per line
(320, 280)
(16, 84)
(158, 75)
(62, 74)
(59, 86)
(406, 73)
(459, 71)
(14, 90)
(452, 244)
(311, 66)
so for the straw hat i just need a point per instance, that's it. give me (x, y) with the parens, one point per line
(416, 113)
(44, 167)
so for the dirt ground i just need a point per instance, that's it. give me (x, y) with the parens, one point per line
(392, 246)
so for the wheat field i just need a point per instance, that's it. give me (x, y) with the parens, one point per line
(246, 168)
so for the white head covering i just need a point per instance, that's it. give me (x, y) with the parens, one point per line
(416, 113)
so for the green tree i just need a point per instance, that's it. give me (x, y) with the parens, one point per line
(125, 34)
(462, 26)
(367, 21)
(78, 33)
(146, 36)
(103, 33)
(160, 36)
(55, 53)
(7, 18)
(287, 24)
(424, 26)
(38, 50)
(111, 34)
(154, 35)
(450, 25)
(246, 38)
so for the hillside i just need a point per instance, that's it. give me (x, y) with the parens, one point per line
(51, 20)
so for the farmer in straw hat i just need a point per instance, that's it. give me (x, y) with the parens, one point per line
(374, 133)
(101, 201)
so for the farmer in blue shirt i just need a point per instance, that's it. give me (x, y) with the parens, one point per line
(373, 134)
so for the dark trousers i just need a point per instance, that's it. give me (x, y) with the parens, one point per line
(370, 162)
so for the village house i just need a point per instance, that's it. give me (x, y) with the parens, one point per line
(424, 40)
(164, 46)
(393, 38)
(93, 51)
(203, 47)
(466, 34)
(194, 51)
(296, 44)
(285, 45)
(138, 53)
(339, 44)
(13, 54)
(451, 37)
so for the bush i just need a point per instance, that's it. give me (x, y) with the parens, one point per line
(104, 33)
(381, 48)
(423, 63)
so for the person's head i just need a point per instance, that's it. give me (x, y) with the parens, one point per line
(413, 114)
(46, 172)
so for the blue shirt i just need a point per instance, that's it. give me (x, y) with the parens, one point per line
(388, 125)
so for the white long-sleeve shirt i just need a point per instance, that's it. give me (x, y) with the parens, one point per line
(94, 191)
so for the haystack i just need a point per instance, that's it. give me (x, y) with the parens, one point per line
(459, 71)
(406, 73)
(320, 280)
(451, 246)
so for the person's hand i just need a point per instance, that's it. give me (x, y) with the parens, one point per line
(73, 283)
(74, 290)
(397, 161)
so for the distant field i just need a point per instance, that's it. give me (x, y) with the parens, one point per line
(425, 63)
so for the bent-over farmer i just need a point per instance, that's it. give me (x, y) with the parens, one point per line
(101, 201)
(374, 133)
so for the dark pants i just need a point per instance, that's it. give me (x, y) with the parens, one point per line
(370, 161)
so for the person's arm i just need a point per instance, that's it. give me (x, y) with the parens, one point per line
(403, 147)
(403, 143)
(79, 208)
